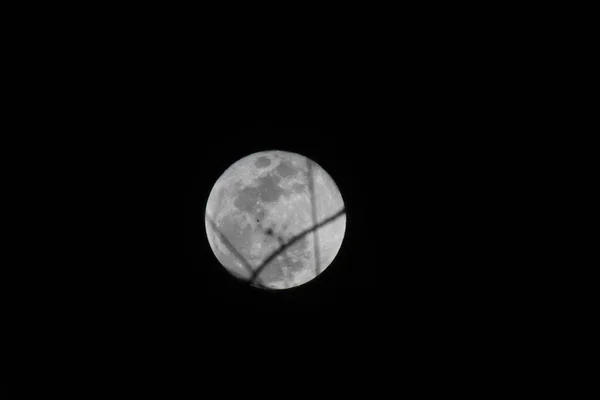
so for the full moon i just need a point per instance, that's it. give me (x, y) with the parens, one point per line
(275, 219)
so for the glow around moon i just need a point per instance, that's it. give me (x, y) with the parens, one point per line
(263, 203)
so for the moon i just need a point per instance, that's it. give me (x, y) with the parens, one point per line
(275, 219)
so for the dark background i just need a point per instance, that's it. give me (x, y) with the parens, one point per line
(425, 139)
(429, 126)
(428, 160)
(423, 192)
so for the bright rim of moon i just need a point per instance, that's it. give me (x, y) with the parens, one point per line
(266, 226)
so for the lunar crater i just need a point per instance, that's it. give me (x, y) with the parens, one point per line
(262, 162)
(285, 169)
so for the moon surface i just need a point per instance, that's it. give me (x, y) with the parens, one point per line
(263, 205)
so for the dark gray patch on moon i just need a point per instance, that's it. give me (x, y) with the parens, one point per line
(247, 199)
(299, 188)
(252, 199)
(266, 190)
(270, 191)
(285, 169)
(262, 162)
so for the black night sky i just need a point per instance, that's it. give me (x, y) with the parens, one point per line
(417, 194)
(430, 137)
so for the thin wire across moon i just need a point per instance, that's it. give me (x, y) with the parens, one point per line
(275, 219)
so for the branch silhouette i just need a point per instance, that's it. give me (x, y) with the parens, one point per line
(254, 274)
(313, 207)
(294, 240)
(230, 246)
